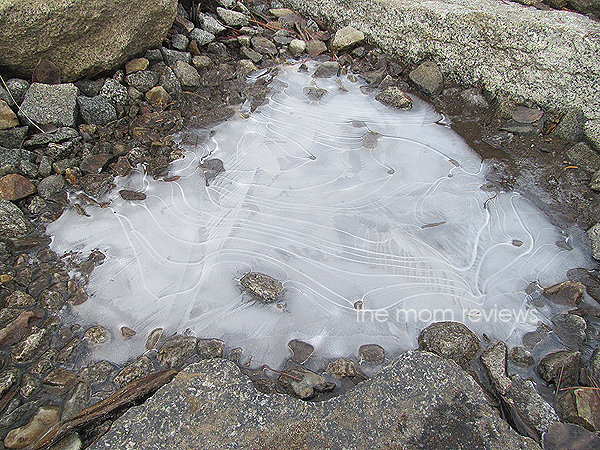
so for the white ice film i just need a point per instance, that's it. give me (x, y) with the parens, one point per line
(343, 200)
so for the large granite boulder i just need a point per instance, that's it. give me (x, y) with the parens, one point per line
(82, 38)
(549, 58)
(418, 401)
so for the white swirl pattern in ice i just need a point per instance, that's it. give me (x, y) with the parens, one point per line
(343, 200)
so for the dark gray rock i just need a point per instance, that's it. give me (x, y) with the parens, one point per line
(521, 356)
(570, 329)
(314, 94)
(187, 75)
(250, 54)
(201, 37)
(550, 368)
(32, 346)
(167, 78)
(580, 406)
(570, 127)
(61, 135)
(561, 436)
(595, 363)
(54, 104)
(139, 368)
(13, 137)
(452, 340)
(96, 374)
(583, 156)
(431, 403)
(76, 400)
(17, 89)
(97, 110)
(171, 56)
(594, 235)
(327, 69)
(301, 350)
(591, 130)
(51, 186)
(428, 78)
(12, 220)
(96, 184)
(210, 348)
(114, 91)
(143, 80)
(371, 353)
(90, 88)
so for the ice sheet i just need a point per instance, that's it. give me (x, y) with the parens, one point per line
(343, 200)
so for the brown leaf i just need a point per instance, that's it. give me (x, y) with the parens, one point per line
(46, 72)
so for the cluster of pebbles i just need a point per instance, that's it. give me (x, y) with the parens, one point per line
(62, 145)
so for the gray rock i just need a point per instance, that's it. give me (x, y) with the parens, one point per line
(315, 47)
(96, 374)
(76, 400)
(595, 181)
(211, 24)
(493, 360)
(71, 442)
(50, 186)
(342, 368)
(428, 78)
(584, 157)
(592, 132)
(563, 365)
(521, 356)
(180, 42)
(346, 37)
(594, 236)
(96, 184)
(90, 88)
(202, 37)
(303, 383)
(570, 127)
(394, 96)
(595, 363)
(474, 97)
(97, 110)
(12, 220)
(452, 340)
(114, 91)
(561, 436)
(171, 56)
(177, 351)
(371, 353)
(17, 89)
(187, 75)
(54, 104)
(83, 38)
(301, 350)
(143, 80)
(232, 18)
(13, 137)
(313, 93)
(210, 348)
(28, 434)
(29, 348)
(580, 406)
(527, 407)
(431, 403)
(263, 45)
(525, 53)
(327, 69)
(154, 55)
(570, 329)
(61, 135)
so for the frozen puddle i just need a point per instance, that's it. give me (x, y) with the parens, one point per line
(347, 203)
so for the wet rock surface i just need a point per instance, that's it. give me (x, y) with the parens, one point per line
(453, 413)
(451, 340)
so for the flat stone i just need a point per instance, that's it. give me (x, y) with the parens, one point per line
(14, 187)
(180, 42)
(61, 135)
(431, 402)
(94, 163)
(97, 374)
(7, 379)
(17, 328)
(522, 114)
(550, 368)
(69, 351)
(303, 383)
(342, 368)
(263, 287)
(428, 78)
(13, 137)
(153, 338)
(201, 62)
(327, 69)
(186, 74)
(301, 350)
(232, 18)
(583, 156)
(96, 335)
(250, 54)
(561, 436)
(570, 329)
(50, 186)
(127, 194)
(452, 340)
(313, 93)
(139, 368)
(345, 38)
(281, 12)
(263, 45)
(40, 423)
(568, 293)
(71, 442)
(159, 97)
(493, 360)
(521, 356)
(95, 184)
(177, 351)
(202, 37)
(570, 127)
(76, 400)
(96, 110)
(60, 379)
(13, 223)
(54, 104)
(211, 24)
(136, 65)
(8, 118)
(210, 348)
(315, 47)
(394, 97)
(172, 56)
(371, 353)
